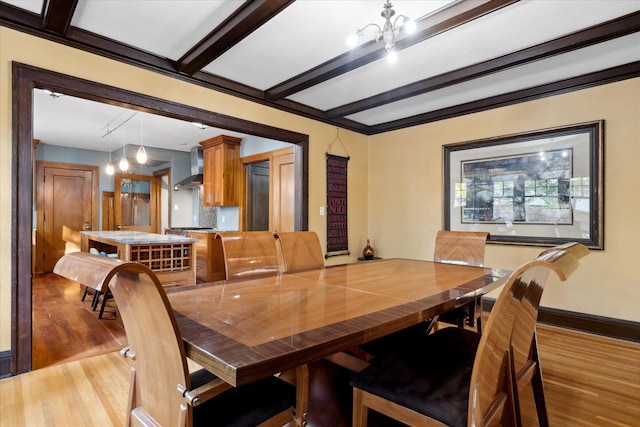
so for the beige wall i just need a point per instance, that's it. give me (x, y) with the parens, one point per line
(405, 210)
(404, 167)
(16, 46)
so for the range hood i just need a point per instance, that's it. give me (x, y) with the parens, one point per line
(196, 178)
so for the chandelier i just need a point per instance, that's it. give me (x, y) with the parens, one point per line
(389, 32)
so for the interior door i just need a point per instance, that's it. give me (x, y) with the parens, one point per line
(135, 202)
(66, 202)
(283, 172)
(258, 196)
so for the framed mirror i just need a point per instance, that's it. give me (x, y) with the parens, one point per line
(135, 203)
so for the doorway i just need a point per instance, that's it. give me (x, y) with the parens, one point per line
(163, 199)
(66, 203)
(135, 203)
(27, 78)
(257, 196)
(270, 190)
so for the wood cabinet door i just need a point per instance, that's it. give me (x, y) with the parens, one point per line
(221, 158)
(283, 172)
(66, 202)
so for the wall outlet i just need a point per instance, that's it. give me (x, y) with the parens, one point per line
(321, 210)
(175, 207)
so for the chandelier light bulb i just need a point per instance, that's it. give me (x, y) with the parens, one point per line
(352, 40)
(392, 57)
(410, 26)
(141, 156)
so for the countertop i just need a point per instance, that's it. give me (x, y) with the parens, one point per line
(138, 237)
(210, 231)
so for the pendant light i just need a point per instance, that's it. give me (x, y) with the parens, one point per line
(124, 163)
(141, 156)
(109, 169)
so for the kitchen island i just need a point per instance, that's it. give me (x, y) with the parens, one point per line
(209, 255)
(170, 257)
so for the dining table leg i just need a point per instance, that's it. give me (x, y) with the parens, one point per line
(302, 395)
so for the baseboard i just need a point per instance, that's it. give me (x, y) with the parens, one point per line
(5, 364)
(600, 325)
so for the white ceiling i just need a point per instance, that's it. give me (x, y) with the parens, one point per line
(78, 123)
(307, 35)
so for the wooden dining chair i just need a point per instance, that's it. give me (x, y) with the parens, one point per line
(452, 247)
(463, 248)
(299, 250)
(163, 392)
(524, 342)
(90, 276)
(456, 376)
(249, 254)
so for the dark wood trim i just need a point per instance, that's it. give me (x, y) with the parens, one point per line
(25, 79)
(31, 23)
(5, 364)
(593, 324)
(586, 81)
(22, 157)
(429, 26)
(244, 21)
(58, 14)
(599, 33)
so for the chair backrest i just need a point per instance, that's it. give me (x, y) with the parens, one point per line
(87, 269)
(158, 360)
(249, 254)
(460, 247)
(159, 363)
(489, 394)
(299, 250)
(525, 323)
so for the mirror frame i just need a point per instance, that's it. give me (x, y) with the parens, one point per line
(25, 78)
(119, 178)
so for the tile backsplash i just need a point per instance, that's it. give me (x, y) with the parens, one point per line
(221, 218)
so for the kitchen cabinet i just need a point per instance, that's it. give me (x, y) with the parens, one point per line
(209, 256)
(221, 157)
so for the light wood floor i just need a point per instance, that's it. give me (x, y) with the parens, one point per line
(589, 381)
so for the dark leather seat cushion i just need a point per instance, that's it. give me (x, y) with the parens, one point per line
(432, 376)
(390, 342)
(244, 406)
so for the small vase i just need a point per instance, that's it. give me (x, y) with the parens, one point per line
(367, 252)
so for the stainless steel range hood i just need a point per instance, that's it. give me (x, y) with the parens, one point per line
(196, 178)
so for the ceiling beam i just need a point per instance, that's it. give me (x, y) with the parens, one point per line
(619, 27)
(429, 26)
(611, 75)
(244, 21)
(58, 15)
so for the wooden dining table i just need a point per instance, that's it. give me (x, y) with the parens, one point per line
(246, 330)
